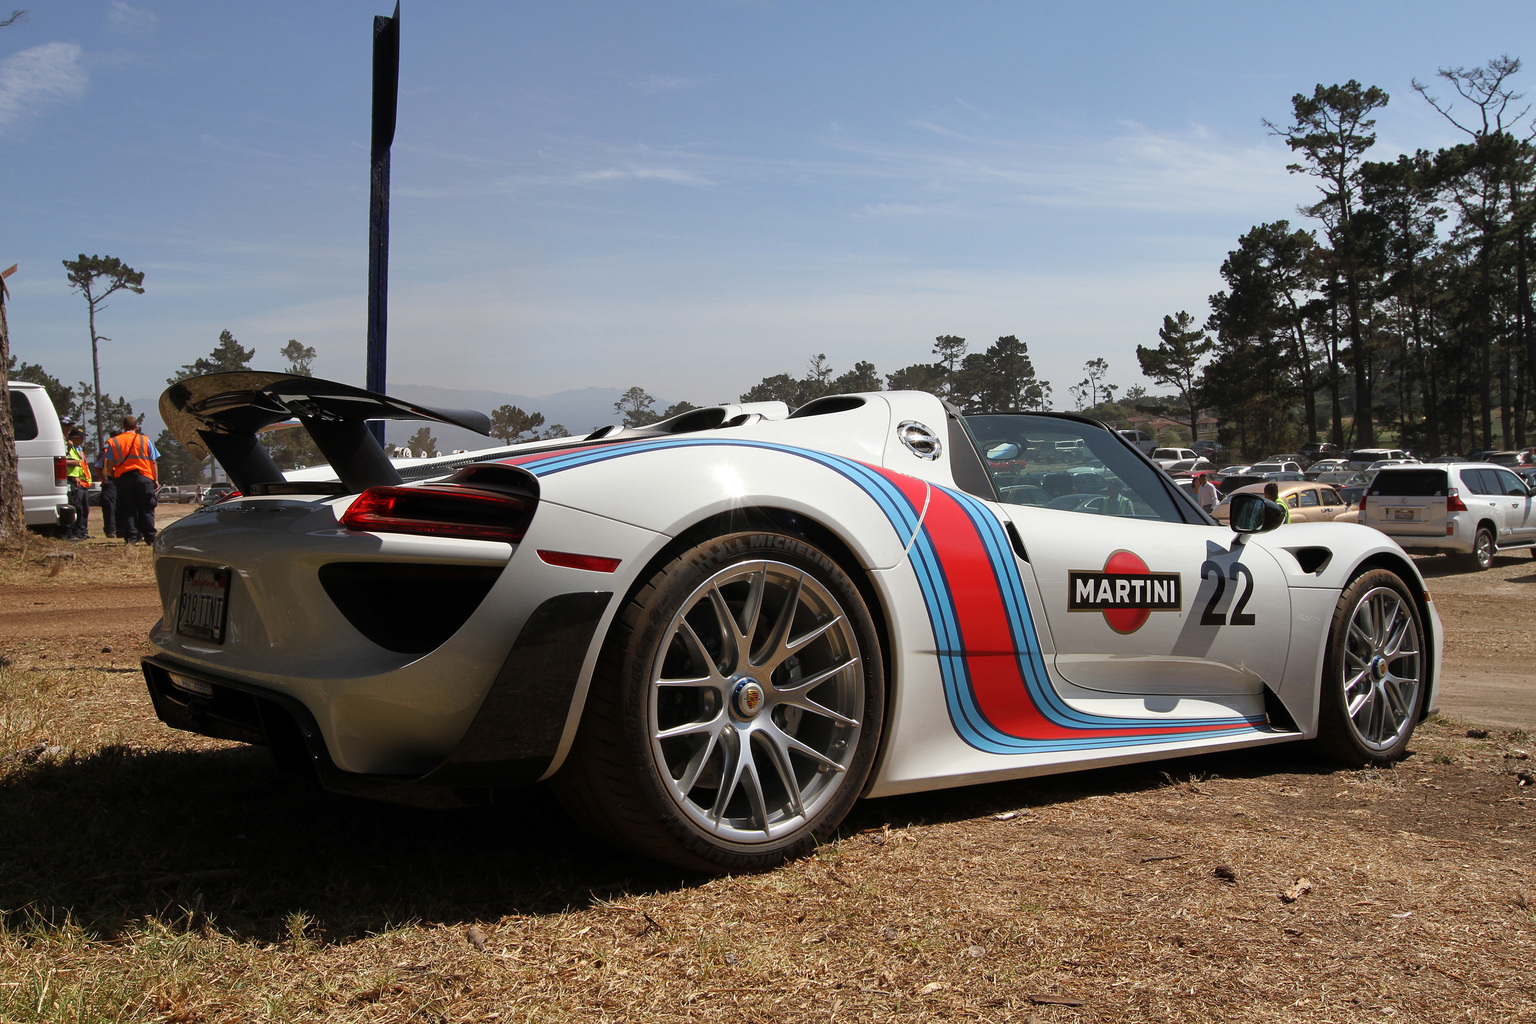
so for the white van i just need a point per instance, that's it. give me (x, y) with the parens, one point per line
(40, 456)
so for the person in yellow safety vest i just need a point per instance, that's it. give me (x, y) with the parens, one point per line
(130, 459)
(1115, 503)
(79, 476)
(1272, 492)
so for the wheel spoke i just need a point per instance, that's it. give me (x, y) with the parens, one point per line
(774, 647)
(730, 776)
(779, 755)
(1360, 701)
(696, 764)
(697, 653)
(730, 634)
(1392, 690)
(812, 753)
(690, 729)
(805, 685)
(806, 704)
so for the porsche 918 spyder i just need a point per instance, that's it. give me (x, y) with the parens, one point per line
(713, 634)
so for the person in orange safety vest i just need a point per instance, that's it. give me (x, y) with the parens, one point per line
(130, 460)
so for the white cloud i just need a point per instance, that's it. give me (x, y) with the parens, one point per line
(668, 174)
(129, 20)
(34, 80)
(654, 84)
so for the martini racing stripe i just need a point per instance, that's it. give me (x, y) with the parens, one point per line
(996, 685)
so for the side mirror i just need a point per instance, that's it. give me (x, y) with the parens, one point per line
(1254, 513)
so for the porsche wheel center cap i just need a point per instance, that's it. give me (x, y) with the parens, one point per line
(748, 698)
(1378, 668)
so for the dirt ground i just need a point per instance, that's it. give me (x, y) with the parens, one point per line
(152, 875)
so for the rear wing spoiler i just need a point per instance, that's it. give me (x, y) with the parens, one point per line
(221, 414)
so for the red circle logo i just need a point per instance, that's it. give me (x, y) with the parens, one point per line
(1126, 620)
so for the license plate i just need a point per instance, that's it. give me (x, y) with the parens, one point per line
(204, 606)
(1403, 514)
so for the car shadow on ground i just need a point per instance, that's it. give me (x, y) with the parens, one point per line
(120, 835)
(1436, 566)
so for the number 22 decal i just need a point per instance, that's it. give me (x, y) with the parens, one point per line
(1239, 574)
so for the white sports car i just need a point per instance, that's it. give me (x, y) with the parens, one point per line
(715, 633)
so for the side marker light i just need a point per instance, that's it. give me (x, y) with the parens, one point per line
(571, 560)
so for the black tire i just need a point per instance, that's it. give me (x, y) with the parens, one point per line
(1374, 678)
(1482, 550)
(701, 667)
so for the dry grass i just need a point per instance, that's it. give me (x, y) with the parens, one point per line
(147, 875)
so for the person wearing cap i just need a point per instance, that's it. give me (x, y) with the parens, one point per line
(79, 479)
(1207, 495)
(130, 460)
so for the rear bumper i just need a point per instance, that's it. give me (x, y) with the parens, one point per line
(511, 741)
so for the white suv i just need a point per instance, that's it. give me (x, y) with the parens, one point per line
(1463, 508)
(40, 456)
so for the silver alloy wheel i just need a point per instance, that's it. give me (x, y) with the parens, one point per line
(1482, 549)
(755, 701)
(1382, 668)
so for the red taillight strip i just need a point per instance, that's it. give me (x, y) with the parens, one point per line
(571, 560)
(443, 511)
(1453, 502)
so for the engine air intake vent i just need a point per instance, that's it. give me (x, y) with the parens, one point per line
(827, 406)
(1312, 560)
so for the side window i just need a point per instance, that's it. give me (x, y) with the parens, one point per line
(1479, 481)
(1308, 498)
(23, 417)
(1066, 464)
(1331, 497)
(1291, 500)
(1509, 484)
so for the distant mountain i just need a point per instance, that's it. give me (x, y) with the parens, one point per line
(579, 411)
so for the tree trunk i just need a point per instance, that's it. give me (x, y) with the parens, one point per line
(1365, 429)
(1337, 424)
(96, 374)
(13, 523)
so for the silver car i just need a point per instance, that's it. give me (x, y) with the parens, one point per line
(1466, 509)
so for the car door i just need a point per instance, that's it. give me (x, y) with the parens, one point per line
(1307, 509)
(1140, 606)
(1330, 503)
(1517, 501)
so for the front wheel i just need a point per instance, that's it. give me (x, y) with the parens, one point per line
(736, 710)
(1373, 671)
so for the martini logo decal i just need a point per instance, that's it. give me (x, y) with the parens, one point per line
(1126, 591)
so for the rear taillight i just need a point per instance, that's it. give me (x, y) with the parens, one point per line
(60, 471)
(1362, 501)
(1453, 502)
(442, 512)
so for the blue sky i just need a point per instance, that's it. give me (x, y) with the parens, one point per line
(685, 196)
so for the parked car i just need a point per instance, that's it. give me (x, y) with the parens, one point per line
(1231, 470)
(712, 667)
(1504, 458)
(1361, 458)
(40, 457)
(1167, 456)
(179, 494)
(1470, 510)
(1213, 450)
(1321, 466)
(1300, 460)
(1280, 466)
(1187, 467)
(1308, 502)
(217, 492)
(1140, 440)
(1319, 450)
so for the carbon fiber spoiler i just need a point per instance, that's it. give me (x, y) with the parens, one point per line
(221, 414)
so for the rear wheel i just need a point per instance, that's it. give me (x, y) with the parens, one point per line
(1373, 671)
(736, 709)
(1482, 550)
